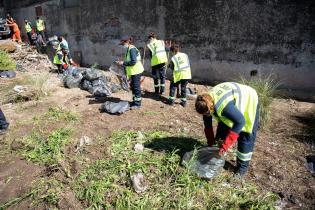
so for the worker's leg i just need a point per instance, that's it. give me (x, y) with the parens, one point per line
(155, 75)
(29, 36)
(14, 37)
(178, 91)
(162, 73)
(245, 147)
(183, 88)
(136, 90)
(18, 36)
(43, 36)
(171, 98)
(3, 122)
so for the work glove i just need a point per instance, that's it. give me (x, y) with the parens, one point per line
(65, 66)
(228, 142)
(210, 136)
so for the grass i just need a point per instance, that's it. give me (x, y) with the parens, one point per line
(60, 114)
(46, 150)
(6, 63)
(265, 88)
(106, 183)
(33, 89)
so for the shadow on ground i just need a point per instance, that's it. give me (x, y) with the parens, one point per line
(307, 134)
(169, 144)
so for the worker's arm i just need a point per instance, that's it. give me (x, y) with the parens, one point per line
(133, 58)
(232, 113)
(208, 130)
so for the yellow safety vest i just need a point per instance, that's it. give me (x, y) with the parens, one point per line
(40, 25)
(138, 67)
(245, 98)
(182, 68)
(56, 58)
(157, 48)
(28, 27)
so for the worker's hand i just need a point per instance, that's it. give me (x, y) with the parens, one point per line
(65, 66)
(119, 63)
(168, 43)
(228, 142)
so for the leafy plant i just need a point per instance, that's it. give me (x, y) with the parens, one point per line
(6, 63)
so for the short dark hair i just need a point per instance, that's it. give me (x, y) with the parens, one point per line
(151, 35)
(175, 48)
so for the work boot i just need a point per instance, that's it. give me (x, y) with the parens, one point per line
(183, 103)
(170, 102)
(156, 90)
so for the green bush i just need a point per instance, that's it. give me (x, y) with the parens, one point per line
(6, 63)
(265, 88)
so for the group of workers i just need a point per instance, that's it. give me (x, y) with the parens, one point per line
(234, 106)
(35, 35)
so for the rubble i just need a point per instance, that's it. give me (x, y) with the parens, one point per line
(8, 46)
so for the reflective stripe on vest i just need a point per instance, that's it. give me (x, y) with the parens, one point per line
(245, 98)
(181, 67)
(40, 25)
(28, 27)
(56, 59)
(157, 48)
(138, 67)
(244, 156)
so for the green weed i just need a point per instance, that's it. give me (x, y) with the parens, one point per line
(6, 63)
(265, 88)
(46, 150)
(60, 114)
(106, 183)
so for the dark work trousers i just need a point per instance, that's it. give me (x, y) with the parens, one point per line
(245, 143)
(183, 86)
(136, 89)
(3, 122)
(158, 74)
(29, 36)
(42, 33)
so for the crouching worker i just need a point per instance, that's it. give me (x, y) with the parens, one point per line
(134, 68)
(62, 58)
(181, 75)
(236, 109)
(3, 123)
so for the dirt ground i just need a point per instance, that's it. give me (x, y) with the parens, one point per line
(278, 163)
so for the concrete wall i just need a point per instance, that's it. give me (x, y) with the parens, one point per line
(224, 38)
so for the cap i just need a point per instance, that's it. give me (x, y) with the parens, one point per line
(125, 38)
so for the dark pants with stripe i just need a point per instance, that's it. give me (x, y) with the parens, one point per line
(183, 87)
(158, 74)
(29, 36)
(3, 122)
(136, 89)
(245, 143)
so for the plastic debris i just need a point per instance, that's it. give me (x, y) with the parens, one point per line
(115, 108)
(7, 74)
(205, 162)
(138, 147)
(19, 88)
(137, 182)
(310, 164)
(73, 81)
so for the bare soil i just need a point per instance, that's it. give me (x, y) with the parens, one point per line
(278, 164)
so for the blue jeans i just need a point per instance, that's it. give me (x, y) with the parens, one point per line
(3, 122)
(183, 87)
(245, 142)
(136, 89)
(159, 79)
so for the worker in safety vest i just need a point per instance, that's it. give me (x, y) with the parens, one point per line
(62, 57)
(134, 69)
(181, 75)
(16, 33)
(28, 29)
(40, 28)
(3, 123)
(159, 60)
(235, 107)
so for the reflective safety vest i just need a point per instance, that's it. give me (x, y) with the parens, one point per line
(28, 27)
(56, 57)
(40, 25)
(157, 48)
(181, 67)
(245, 98)
(138, 67)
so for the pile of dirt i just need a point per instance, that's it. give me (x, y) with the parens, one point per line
(8, 45)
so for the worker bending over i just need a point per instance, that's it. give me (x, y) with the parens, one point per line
(159, 62)
(62, 57)
(134, 68)
(181, 75)
(235, 107)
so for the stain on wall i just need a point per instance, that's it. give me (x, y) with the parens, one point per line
(224, 38)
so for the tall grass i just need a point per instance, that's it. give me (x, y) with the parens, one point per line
(6, 63)
(265, 88)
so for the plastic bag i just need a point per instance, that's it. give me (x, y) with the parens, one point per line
(73, 81)
(115, 108)
(115, 88)
(86, 85)
(101, 91)
(92, 74)
(121, 74)
(205, 162)
(7, 74)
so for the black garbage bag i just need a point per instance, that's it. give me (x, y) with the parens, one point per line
(310, 164)
(101, 91)
(115, 108)
(86, 85)
(120, 72)
(92, 74)
(73, 81)
(7, 74)
(99, 82)
(205, 162)
(115, 88)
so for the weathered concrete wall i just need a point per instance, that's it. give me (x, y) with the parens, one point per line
(224, 38)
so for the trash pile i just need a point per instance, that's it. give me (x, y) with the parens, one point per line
(92, 80)
(205, 162)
